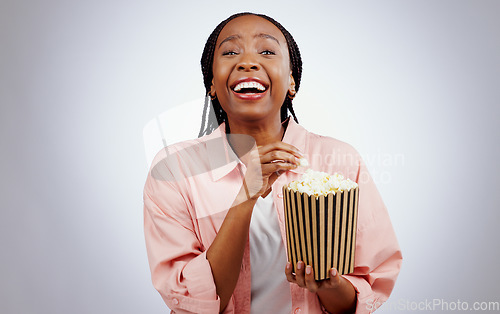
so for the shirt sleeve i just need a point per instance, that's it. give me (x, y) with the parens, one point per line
(180, 270)
(378, 256)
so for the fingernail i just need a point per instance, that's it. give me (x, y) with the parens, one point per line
(288, 265)
(308, 270)
(334, 272)
(299, 265)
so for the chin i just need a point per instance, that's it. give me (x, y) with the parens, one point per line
(253, 116)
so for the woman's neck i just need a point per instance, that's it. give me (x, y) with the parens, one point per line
(263, 134)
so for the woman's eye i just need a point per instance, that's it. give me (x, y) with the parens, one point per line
(228, 53)
(267, 52)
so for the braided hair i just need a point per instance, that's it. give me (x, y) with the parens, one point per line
(207, 60)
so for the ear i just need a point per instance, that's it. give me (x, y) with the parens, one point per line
(212, 89)
(291, 89)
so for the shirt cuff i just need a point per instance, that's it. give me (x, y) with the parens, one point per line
(364, 294)
(199, 279)
(202, 295)
(187, 305)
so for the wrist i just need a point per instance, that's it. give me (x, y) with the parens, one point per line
(340, 284)
(244, 197)
(341, 298)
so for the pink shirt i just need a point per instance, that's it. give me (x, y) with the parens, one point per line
(188, 191)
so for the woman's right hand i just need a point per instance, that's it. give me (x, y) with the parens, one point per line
(264, 165)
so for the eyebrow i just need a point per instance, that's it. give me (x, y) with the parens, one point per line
(261, 35)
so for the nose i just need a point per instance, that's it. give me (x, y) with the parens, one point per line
(247, 63)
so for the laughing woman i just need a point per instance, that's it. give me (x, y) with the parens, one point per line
(213, 207)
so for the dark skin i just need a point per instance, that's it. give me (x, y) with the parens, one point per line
(252, 48)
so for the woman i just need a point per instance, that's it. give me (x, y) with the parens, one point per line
(214, 208)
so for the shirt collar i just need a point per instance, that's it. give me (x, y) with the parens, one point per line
(223, 159)
(296, 135)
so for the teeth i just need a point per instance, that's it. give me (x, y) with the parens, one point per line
(251, 84)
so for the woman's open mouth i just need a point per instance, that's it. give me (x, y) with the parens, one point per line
(249, 89)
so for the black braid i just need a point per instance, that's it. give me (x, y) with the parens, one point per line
(207, 59)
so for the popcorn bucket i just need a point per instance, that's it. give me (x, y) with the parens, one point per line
(321, 231)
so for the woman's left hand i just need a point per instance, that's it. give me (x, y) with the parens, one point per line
(304, 278)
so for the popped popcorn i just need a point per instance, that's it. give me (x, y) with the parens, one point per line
(321, 183)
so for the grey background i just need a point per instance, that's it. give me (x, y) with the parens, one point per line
(413, 85)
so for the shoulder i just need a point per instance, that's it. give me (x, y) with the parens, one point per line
(192, 149)
(331, 155)
(311, 142)
(176, 149)
(174, 162)
(328, 144)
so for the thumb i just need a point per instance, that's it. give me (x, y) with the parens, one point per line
(334, 278)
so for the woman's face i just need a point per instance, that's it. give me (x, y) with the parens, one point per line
(251, 69)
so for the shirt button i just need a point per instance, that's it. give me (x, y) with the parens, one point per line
(297, 310)
(175, 301)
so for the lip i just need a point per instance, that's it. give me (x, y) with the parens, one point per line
(249, 96)
(252, 96)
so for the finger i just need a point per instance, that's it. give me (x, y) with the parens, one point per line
(311, 284)
(269, 169)
(280, 146)
(279, 155)
(288, 273)
(273, 176)
(299, 275)
(334, 278)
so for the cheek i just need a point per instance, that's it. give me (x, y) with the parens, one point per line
(282, 79)
(284, 71)
(221, 74)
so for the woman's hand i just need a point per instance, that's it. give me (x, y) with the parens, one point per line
(265, 164)
(336, 294)
(304, 278)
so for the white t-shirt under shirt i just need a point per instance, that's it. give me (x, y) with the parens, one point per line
(270, 289)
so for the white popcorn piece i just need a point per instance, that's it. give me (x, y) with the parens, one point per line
(321, 183)
(303, 162)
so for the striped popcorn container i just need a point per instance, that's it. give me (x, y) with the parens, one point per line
(321, 231)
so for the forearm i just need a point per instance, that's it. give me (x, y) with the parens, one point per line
(340, 300)
(225, 255)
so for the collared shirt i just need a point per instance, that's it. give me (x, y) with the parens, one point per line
(191, 186)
